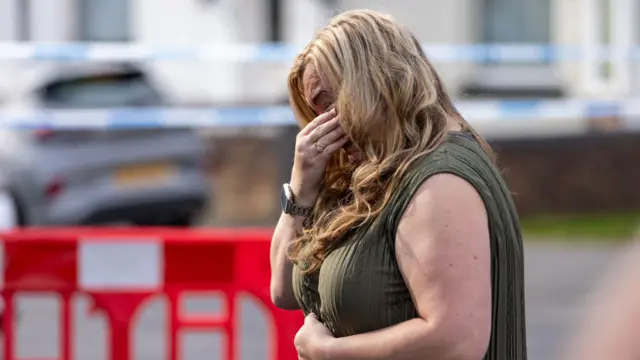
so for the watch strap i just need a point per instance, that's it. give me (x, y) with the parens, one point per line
(289, 204)
(297, 210)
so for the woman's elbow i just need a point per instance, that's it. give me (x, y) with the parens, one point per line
(284, 303)
(472, 347)
(475, 351)
(462, 342)
(281, 299)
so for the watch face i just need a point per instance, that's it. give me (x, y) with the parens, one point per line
(283, 200)
(284, 197)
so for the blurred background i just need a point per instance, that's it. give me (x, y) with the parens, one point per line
(175, 113)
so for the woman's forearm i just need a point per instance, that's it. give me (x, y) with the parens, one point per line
(403, 341)
(281, 267)
(411, 340)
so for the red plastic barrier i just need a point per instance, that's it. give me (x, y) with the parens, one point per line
(120, 269)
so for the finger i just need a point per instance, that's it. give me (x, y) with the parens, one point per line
(335, 146)
(310, 317)
(331, 137)
(319, 120)
(324, 129)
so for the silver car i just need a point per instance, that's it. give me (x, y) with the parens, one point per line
(140, 176)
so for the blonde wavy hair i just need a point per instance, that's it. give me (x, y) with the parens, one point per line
(381, 80)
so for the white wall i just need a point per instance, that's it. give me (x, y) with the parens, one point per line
(8, 28)
(433, 21)
(8, 23)
(190, 23)
(580, 23)
(194, 22)
(453, 22)
(225, 22)
(53, 20)
(567, 31)
(301, 20)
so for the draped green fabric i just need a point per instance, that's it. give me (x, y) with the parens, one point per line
(359, 287)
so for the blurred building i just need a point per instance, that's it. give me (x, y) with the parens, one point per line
(588, 23)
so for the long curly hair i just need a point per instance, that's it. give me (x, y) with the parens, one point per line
(383, 84)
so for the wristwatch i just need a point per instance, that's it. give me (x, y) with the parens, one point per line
(289, 205)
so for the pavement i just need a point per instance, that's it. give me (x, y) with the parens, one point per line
(558, 279)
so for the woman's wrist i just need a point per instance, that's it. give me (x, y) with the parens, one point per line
(302, 196)
(324, 350)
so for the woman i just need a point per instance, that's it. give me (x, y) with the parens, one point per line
(400, 236)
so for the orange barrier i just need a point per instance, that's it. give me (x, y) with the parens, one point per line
(120, 269)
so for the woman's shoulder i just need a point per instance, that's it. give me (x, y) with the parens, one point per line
(460, 151)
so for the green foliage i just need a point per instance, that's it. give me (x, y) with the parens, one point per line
(581, 227)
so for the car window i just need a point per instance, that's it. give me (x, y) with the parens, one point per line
(122, 90)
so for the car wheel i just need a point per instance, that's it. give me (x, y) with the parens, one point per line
(172, 220)
(178, 221)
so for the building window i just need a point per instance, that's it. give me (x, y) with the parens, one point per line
(517, 21)
(104, 20)
(526, 22)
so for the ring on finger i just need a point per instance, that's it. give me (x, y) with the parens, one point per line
(319, 147)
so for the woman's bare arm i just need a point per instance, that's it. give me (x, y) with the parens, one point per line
(443, 251)
(281, 266)
(309, 166)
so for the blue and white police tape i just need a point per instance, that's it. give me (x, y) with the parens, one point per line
(476, 112)
(479, 53)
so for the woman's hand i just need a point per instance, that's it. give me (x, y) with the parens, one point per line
(312, 338)
(314, 146)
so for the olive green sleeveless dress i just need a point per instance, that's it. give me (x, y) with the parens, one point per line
(360, 289)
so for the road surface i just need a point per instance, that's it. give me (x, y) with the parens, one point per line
(558, 278)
